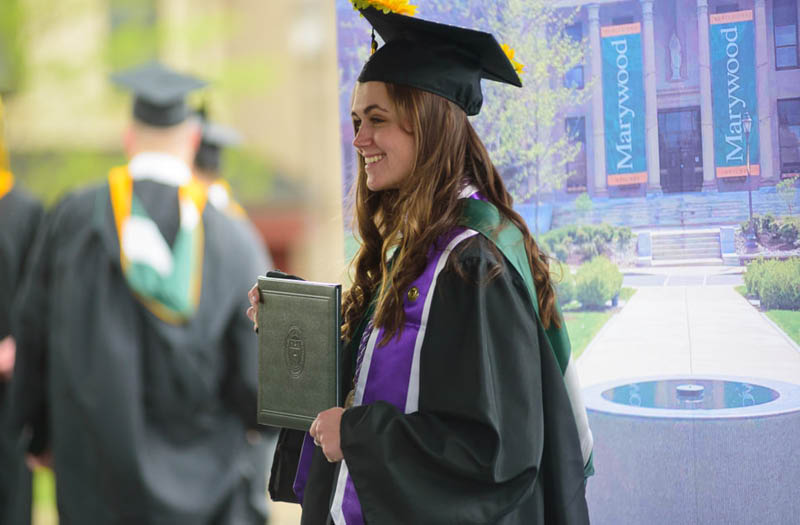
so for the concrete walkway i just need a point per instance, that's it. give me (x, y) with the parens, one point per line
(683, 276)
(695, 330)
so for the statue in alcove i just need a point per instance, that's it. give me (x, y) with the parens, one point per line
(675, 57)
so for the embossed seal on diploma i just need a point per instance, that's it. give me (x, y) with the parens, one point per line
(295, 352)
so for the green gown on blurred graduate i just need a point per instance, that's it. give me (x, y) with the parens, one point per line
(20, 214)
(137, 363)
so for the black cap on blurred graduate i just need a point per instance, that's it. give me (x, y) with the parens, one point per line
(159, 93)
(215, 137)
(446, 60)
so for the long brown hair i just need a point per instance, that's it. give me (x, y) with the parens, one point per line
(411, 218)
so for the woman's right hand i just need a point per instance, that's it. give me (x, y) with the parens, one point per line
(252, 312)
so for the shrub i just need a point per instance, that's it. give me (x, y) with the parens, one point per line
(564, 283)
(775, 283)
(787, 232)
(623, 236)
(590, 249)
(556, 243)
(583, 234)
(596, 282)
(560, 251)
(748, 224)
(768, 228)
(605, 232)
(780, 286)
(753, 276)
(586, 241)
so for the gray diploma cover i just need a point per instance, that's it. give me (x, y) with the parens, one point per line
(299, 353)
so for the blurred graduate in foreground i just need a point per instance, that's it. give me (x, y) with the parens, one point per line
(137, 365)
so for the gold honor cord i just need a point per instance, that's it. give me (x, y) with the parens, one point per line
(6, 182)
(120, 185)
(198, 195)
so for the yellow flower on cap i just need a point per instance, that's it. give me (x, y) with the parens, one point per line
(518, 67)
(401, 7)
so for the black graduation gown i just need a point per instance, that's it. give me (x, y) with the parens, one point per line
(20, 215)
(494, 439)
(146, 420)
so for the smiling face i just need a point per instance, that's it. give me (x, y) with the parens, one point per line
(381, 137)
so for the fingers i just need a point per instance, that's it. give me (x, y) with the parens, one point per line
(32, 462)
(7, 356)
(313, 429)
(325, 431)
(254, 296)
(331, 452)
(43, 460)
(326, 454)
(252, 312)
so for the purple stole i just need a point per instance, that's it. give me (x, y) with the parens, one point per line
(389, 374)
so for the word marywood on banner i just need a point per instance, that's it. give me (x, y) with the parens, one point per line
(623, 90)
(733, 82)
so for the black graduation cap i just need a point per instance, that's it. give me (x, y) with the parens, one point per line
(215, 137)
(446, 60)
(159, 93)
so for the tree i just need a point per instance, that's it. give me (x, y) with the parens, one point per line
(525, 130)
(787, 191)
(583, 205)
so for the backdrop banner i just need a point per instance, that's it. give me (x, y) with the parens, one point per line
(623, 104)
(733, 92)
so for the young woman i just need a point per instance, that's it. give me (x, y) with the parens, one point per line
(459, 410)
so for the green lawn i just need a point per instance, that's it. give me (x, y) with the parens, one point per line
(583, 326)
(788, 320)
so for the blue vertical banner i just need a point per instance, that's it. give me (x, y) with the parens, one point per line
(623, 104)
(733, 93)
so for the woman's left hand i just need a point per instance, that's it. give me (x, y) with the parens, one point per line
(325, 431)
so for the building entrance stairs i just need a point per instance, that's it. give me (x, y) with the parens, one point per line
(684, 245)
